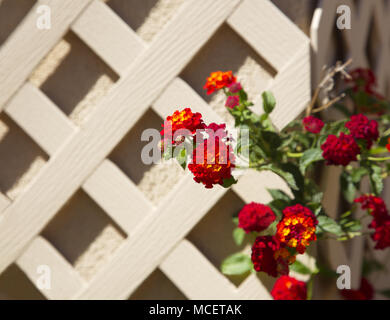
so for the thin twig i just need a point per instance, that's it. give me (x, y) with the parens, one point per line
(329, 104)
(338, 68)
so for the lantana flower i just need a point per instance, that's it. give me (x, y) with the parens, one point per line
(255, 217)
(232, 101)
(218, 80)
(381, 219)
(297, 227)
(182, 120)
(362, 78)
(313, 124)
(289, 288)
(363, 128)
(235, 87)
(340, 150)
(212, 162)
(270, 257)
(365, 292)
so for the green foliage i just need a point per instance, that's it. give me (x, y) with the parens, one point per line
(299, 267)
(269, 102)
(238, 236)
(237, 264)
(310, 156)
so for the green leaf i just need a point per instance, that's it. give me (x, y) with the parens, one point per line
(329, 225)
(236, 264)
(243, 96)
(348, 187)
(181, 157)
(299, 267)
(310, 156)
(376, 179)
(227, 183)
(269, 102)
(357, 174)
(278, 206)
(238, 236)
(287, 176)
(235, 220)
(279, 194)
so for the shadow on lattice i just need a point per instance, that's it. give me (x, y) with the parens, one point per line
(14, 285)
(154, 180)
(73, 77)
(146, 17)
(213, 234)
(20, 158)
(157, 287)
(11, 14)
(84, 234)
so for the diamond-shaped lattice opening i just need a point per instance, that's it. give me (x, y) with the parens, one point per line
(73, 77)
(226, 50)
(20, 158)
(84, 234)
(213, 234)
(157, 287)
(11, 14)
(146, 17)
(15, 285)
(373, 44)
(155, 180)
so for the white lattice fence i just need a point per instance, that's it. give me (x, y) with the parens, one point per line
(78, 155)
(368, 44)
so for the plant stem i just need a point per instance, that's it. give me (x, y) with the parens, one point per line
(294, 155)
(310, 288)
(378, 159)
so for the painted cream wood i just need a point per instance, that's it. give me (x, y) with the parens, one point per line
(28, 45)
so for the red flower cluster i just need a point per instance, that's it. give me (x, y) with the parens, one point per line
(362, 79)
(340, 150)
(212, 163)
(388, 144)
(184, 119)
(365, 292)
(297, 228)
(363, 128)
(313, 124)
(381, 219)
(270, 257)
(288, 288)
(235, 87)
(218, 80)
(255, 217)
(232, 101)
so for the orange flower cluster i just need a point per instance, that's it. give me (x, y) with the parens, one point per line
(297, 228)
(218, 80)
(215, 165)
(184, 119)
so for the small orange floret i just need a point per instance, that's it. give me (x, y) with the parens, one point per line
(297, 228)
(184, 119)
(218, 80)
